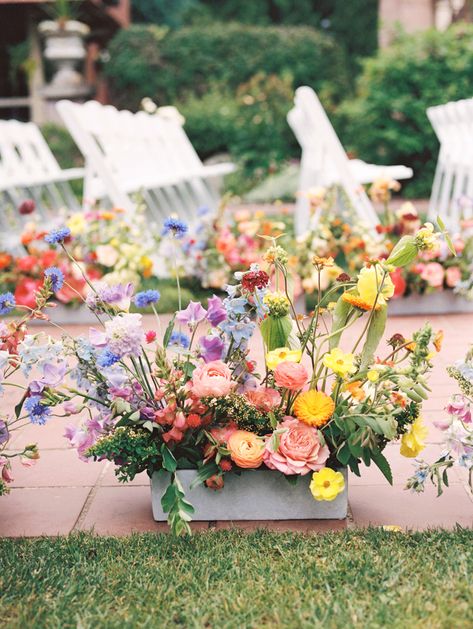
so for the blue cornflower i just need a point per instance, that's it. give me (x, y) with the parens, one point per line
(175, 227)
(56, 276)
(37, 411)
(7, 303)
(56, 236)
(107, 358)
(146, 298)
(179, 339)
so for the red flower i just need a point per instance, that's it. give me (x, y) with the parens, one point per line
(150, 336)
(27, 207)
(25, 292)
(254, 279)
(47, 259)
(5, 260)
(193, 420)
(399, 283)
(69, 291)
(225, 465)
(26, 264)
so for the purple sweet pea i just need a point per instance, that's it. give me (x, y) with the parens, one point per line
(192, 315)
(147, 412)
(216, 312)
(4, 434)
(211, 348)
(459, 407)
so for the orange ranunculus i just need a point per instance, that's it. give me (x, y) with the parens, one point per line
(5, 260)
(246, 449)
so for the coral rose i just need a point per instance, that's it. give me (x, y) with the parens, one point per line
(246, 449)
(289, 375)
(263, 398)
(213, 379)
(299, 450)
(453, 276)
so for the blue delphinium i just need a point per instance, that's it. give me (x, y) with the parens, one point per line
(56, 276)
(37, 411)
(57, 236)
(7, 303)
(107, 358)
(146, 298)
(175, 227)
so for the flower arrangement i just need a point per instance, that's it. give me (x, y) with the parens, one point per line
(325, 396)
(106, 246)
(342, 236)
(457, 433)
(223, 244)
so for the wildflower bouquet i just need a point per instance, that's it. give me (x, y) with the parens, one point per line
(351, 244)
(324, 397)
(220, 245)
(457, 433)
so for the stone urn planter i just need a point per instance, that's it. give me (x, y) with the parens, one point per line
(254, 495)
(65, 49)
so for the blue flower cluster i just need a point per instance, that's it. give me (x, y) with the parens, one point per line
(57, 236)
(179, 339)
(7, 303)
(107, 358)
(56, 276)
(146, 298)
(175, 227)
(37, 411)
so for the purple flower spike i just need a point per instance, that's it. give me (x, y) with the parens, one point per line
(211, 348)
(192, 315)
(216, 312)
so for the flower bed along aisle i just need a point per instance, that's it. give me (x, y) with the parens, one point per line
(261, 439)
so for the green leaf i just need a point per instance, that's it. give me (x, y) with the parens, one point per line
(149, 425)
(382, 462)
(169, 462)
(340, 315)
(168, 498)
(19, 406)
(275, 331)
(204, 472)
(404, 252)
(440, 223)
(169, 329)
(374, 335)
(344, 454)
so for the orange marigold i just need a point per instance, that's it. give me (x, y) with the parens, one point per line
(314, 408)
(357, 302)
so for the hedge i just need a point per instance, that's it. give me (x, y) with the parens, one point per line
(387, 123)
(174, 65)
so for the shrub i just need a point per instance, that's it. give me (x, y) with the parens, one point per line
(387, 122)
(174, 65)
(64, 150)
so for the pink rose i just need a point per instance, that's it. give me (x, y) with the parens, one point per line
(433, 274)
(290, 375)
(299, 450)
(213, 379)
(265, 399)
(453, 276)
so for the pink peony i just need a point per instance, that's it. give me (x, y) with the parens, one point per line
(264, 398)
(299, 450)
(453, 276)
(213, 379)
(433, 274)
(290, 375)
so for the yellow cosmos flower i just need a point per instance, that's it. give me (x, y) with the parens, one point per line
(412, 442)
(339, 362)
(369, 283)
(314, 408)
(281, 354)
(327, 484)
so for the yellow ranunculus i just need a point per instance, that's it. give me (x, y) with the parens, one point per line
(412, 442)
(280, 354)
(368, 285)
(327, 484)
(339, 362)
(373, 375)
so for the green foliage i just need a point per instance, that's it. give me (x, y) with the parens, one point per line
(64, 150)
(232, 579)
(387, 123)
(237, 408)
(172, 65)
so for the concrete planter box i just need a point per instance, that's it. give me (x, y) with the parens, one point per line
(255, 495)
(444, 302)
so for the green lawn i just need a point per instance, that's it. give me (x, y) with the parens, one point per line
(229, 579)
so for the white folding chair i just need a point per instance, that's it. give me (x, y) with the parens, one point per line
(453, 180)
(324, 161)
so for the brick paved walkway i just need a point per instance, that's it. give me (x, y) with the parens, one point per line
(62, 494)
